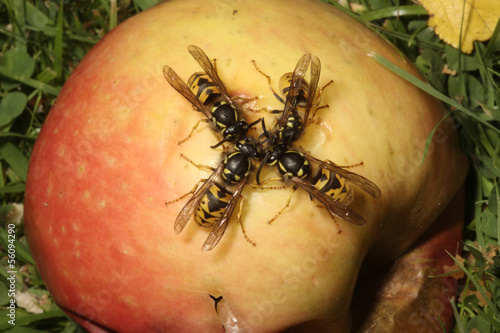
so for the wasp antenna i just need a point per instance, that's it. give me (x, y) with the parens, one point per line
(264, 129)
(263, 141)
(221, 142)
(269, 135)
(255, 122)
(264, 160)
(185, 157)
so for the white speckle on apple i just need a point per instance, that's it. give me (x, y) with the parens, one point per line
(81, 169)
(110, 160)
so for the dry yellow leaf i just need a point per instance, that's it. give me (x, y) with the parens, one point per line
(479, 20)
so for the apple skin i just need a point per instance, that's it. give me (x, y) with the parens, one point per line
(107, 159)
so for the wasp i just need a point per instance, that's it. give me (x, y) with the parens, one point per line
(300, 95)
(298, 92)
(207, 93)
(212, 204)
(330, 185)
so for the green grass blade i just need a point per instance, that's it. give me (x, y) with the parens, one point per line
(474, 282)
(22, 251)
(459, 325)
(460, 56)
(58, 41)
(393, 12)
(113, 14)
(29, 81)
(407, 38)
(105, 5)
(145, 4)
(487, 79)
(27, 319)
(494, 43)
(498, 212)
(345, 10)
(488, 318)
(17, 161)
(15, 135)
(428, 141)
(17, 188)
(430, 90)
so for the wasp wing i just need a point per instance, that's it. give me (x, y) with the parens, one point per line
(188, 210)
(313, 85)
(175, 81)
(295, 84)
(365, 184)
(220, 227)
(334, 207)
(209, 68)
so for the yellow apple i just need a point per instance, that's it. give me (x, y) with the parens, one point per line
(107, 160)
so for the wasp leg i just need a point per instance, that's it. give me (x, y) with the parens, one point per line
(265, 109)
(258, 186)
(214, 61)
(193, 191)
(284, 208)
(245, 100)
(220, 141)
(320, 92)
(238, 218)
(278, 97)
(268, 180)
(195, 127)
(339, 230)
(345, 166)
(313, 114)
(321, 206)
(318, 100)
(199, 166)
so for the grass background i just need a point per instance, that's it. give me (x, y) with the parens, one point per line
(41, 42)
